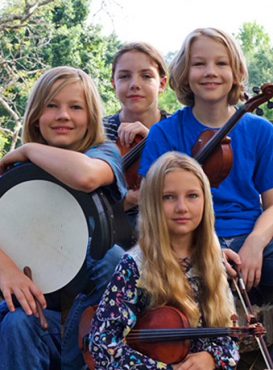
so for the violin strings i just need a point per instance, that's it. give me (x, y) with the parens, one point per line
(178, 334)
(129, 158)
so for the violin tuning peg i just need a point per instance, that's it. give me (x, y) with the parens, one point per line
(234, 318)
(256, 89)
(259, 112)
(270, 104)
(246, 97)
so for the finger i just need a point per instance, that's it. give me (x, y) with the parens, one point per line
(121, 137)
(41, 298)
(250, 280)
(23, 301)
(257, 277)
(131, 137)
(127, 139)
(8, 298)
(230, 271)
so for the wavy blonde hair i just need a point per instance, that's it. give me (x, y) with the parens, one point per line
(161, 275)
(179, 67)
(44, 91)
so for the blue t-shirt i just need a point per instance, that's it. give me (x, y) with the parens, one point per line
(110, 153)
(237, 200)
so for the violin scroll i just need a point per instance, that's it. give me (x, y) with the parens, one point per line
(264, 95)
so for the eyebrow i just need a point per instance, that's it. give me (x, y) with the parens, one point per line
(128, 70)
(80, 100)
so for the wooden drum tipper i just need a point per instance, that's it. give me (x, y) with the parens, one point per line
(46, 225)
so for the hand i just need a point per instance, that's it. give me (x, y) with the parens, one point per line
(127, 132)
(131, 199)
(196, 361)
(16, 155)
(14, 281)
(251, 254)
(230, 255)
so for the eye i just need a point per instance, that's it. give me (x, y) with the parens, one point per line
(76, 107)
(51, 105)
(147, 76)
(223, 63)
(197, 64)
(123, 76)
(193, 195)
(168, 197)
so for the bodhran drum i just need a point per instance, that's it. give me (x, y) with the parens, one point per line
(47, 226)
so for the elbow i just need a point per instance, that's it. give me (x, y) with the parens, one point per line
(86, 184)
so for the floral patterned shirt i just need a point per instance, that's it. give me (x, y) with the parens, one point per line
(117, 313)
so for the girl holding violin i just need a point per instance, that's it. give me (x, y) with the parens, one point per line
(209, 75)
(139, 76)
(63, 135)
(176, 263)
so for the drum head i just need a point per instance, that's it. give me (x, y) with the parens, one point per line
(45, 225)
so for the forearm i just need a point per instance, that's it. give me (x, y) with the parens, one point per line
(5, 262)
(262, 232)
(72, 168)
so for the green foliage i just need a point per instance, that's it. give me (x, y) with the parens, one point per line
(168, 101)
(258, 50)
(56, 34)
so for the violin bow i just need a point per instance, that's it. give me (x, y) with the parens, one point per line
(41, 315)
(244, 298)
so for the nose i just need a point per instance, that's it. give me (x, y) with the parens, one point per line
(134, 83)
(181, 205)
(210, 70)
(62, 114)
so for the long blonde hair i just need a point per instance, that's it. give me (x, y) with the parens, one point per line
(161, 275)
(44, 91)
(179, 67)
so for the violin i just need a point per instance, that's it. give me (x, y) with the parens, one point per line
(130, 161)
(163, 334)
(213, 149)
(131, 157)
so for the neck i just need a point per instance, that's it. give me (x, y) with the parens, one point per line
(182, 246)
(212, 115)
(147, 118)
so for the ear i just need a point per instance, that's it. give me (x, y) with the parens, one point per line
(163, 84)
(113, 84)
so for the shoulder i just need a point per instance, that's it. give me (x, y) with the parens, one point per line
(111, 125)
(256, 122)
(128, 267)
(111, 120)
(255, 129)
(170, 120)
(136, 254)
(106, 149)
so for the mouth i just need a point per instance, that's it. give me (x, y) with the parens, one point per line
(61, 129)
(135, 97)
(210, 84)
(181, 220)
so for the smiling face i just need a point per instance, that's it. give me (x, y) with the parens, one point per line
(210, 74)
(64, 119)
(183, 204)
(137, 82)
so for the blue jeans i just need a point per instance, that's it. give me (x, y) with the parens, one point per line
(25, 346)
(102, 271)
(264, 292)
